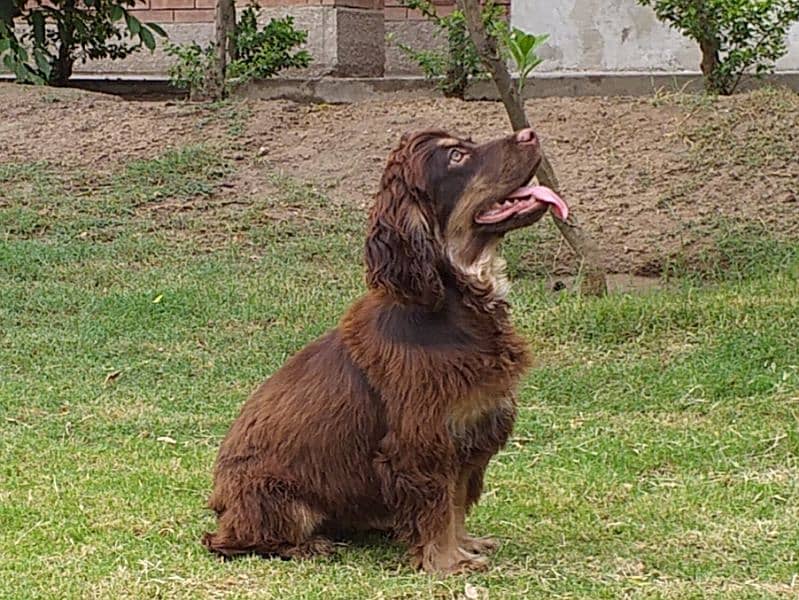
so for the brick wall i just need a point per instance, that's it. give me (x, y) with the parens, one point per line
(395, 11)
(202, 11)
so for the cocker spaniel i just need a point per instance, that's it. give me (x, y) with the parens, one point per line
(389, 420)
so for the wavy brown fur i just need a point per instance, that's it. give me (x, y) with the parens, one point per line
(389, 421)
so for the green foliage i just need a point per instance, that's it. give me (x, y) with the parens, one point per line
(522, 46)
(736, 36)
(460, 61)
(62, 32)
(259, 53)
(192, 65)
(263, 53)
(16, 58)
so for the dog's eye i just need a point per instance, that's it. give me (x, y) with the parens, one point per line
(456, 156)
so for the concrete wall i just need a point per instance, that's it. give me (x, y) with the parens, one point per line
(613, 35)
(345, 37)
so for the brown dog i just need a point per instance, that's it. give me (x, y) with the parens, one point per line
(389, 421)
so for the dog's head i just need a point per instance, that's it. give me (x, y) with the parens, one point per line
(446, 202)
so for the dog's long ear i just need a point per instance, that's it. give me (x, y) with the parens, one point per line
(403, 256)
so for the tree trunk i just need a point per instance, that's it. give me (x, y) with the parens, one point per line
(225, 21)
(594, 280)
(710, 62)
(61, 69)
(230, 28)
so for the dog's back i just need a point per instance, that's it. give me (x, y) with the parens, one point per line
(298, 454)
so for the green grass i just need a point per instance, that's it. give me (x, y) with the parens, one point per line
(655, 453)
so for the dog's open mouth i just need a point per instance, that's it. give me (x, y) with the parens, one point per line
(524, 200)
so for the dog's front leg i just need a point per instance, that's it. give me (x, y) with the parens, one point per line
(418, 473)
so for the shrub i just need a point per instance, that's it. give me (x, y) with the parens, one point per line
(259, 53)
(735, 36)
(191, 67)
(62, 32)
(264, 53)
(460, 61)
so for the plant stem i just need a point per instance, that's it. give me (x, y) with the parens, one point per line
(594, 281)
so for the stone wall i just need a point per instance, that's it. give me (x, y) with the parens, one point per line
(614, 36)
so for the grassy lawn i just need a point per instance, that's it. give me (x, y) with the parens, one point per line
(655, 454)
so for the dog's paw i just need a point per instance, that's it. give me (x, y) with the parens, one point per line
(452, 562)
(315, 546)
(472, 564)
(478, 545)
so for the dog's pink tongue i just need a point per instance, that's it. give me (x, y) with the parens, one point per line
(544, 194)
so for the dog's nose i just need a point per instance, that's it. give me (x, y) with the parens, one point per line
(526, 136)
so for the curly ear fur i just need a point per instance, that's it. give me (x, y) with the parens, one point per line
(402, 253)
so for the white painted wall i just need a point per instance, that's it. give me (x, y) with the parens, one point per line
(613, 35)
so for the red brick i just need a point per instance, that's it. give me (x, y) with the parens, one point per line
(155, 16)
(205, 3)
(367, 4)
(196, 15)
(171, 4)
(283, 2)
(396, 13)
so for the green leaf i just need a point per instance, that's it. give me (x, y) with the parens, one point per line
(21, 71)
(42, 62)
(516, 53)
(134, 25)
(147, 38)
(5, 44)
(157, 29)
(37, 21)
(525, 42)
(117, 12)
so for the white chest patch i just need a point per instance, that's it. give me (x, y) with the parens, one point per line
(486, 273)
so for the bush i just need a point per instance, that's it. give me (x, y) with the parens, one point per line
(192, 66)
(259, 53)
(64, 31)
(735, 36)
(460, 61)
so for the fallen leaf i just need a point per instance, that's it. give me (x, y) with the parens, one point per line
(112, 376)
(157, 299)
(471, 592)
(166, 439)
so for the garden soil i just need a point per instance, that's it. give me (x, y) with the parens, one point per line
(653, 180)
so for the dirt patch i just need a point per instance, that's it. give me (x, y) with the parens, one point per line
(650, 178)
(84, 130)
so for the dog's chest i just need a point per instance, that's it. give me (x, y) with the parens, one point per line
(470, 411)
(494, 392)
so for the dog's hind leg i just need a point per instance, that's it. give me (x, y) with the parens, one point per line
(264, 518)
